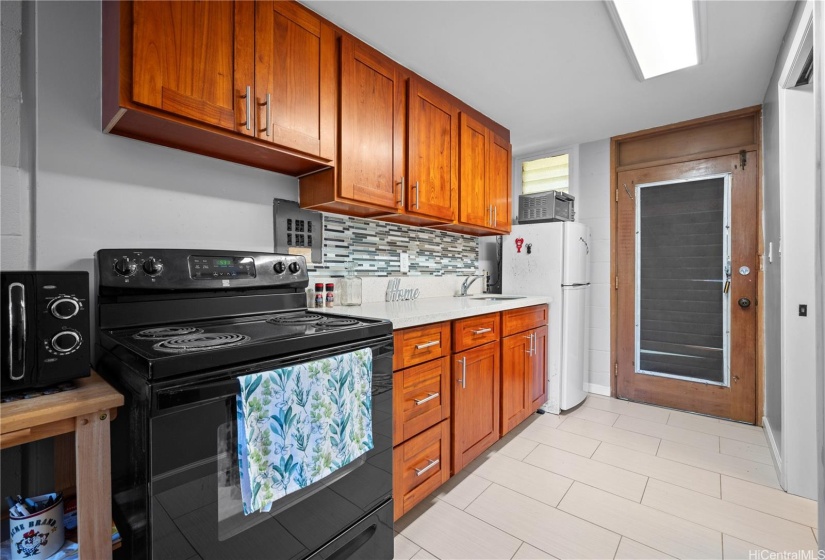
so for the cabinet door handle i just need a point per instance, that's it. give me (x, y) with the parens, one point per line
(495, 215)
(533, 343)
(431, 463)
(530, 349)
(416, 195)
(18, 331)
(268, 104)
(429, 397)
(463, 381)
(481, 331)
(427, 344)
(248, 97)
(401, 199)
(490, 215)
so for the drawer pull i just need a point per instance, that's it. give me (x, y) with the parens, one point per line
(482, 331)
(429, 397)
(427, 344)
(432, 464)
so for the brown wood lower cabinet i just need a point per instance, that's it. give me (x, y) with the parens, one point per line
(420, 465)
(523, 376)
(475, 410)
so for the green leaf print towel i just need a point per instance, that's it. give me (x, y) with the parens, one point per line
(298, 424)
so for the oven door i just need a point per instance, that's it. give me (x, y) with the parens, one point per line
(195, 508)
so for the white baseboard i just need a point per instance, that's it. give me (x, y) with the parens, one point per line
(597, 389)
(777, 457)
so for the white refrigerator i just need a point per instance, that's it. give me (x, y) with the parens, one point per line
(554, 260)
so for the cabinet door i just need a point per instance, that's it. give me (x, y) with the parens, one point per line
(516, 372)
(473, 205)
(372, 126)
(538, 372)
(194, 59)
(294, 78)
(475, 403)
(433, 153)
(499, 182)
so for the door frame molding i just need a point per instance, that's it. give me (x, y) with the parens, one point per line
(644, 149)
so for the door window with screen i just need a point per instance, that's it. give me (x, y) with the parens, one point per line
(683, 279)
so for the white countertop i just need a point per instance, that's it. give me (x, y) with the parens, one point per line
(422, 311)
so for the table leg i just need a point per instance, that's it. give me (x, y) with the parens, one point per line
(94, 489)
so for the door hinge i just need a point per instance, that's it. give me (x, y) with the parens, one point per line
(743, 159)
(617, 194)
(615, 369)
(617, 283)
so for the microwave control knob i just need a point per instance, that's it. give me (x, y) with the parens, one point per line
(65, 341)
(294, 267)
(64, 307)
(125, 267)
(152, 266)
(279, 267)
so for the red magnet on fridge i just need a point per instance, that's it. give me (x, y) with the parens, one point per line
(519, 243)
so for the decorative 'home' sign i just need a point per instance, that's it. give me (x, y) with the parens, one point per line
(395, 293)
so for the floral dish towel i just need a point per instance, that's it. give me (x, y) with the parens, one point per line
(296, 425)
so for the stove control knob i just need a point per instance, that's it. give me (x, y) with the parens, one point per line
(64, 307)
(279, 267)
(65, 341)
(152, 266)
(125, 267)
(294, 267)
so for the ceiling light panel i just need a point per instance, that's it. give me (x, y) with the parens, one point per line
(662, 34)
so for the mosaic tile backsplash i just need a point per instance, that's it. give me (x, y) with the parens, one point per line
(375, 248)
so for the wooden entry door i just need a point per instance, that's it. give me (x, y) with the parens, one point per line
(684, 339)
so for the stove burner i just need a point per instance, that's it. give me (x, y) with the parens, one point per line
(307, 319)
(194, 342)
(166, 332)
(335, 323)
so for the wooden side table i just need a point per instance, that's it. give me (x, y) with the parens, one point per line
(85, 413)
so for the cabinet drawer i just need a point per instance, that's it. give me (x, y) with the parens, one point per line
(475, 331)
(420, 465)
(524, 319)
(421, 398)
(421, 344)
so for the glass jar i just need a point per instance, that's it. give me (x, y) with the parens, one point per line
(349, 292)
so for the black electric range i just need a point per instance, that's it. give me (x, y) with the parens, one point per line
(176, 328)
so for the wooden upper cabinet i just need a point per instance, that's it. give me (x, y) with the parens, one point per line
(176, 73)
(500, 181)
(474, 207)
(372, 126)
(294, 78)
(433, 153)
(369, 169)
(186, 61)
(484, 192)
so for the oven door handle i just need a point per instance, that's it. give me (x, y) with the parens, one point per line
(197, 394)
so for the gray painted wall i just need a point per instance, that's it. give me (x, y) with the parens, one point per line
(593, 208)
(771, 225)
(15, 151)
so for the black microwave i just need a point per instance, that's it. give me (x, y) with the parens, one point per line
(45, 329)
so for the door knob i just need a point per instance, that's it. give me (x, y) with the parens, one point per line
(744, 303)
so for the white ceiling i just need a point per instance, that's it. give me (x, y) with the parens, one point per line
(555, 73)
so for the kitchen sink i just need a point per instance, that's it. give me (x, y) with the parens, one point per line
(496, 297)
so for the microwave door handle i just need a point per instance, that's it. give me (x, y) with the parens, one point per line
(17, 331)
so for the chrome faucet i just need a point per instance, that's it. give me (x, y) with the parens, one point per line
(468, 281)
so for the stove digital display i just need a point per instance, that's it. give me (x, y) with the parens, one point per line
(211, 268)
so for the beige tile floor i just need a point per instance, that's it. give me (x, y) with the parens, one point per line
(614, 479)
